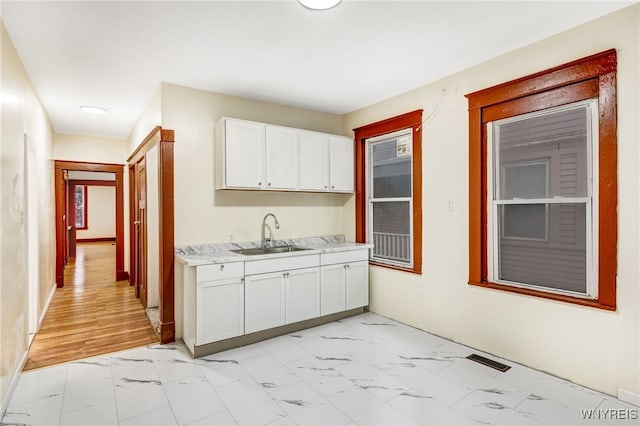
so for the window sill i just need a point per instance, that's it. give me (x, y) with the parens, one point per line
(395, 267)
(592, 303)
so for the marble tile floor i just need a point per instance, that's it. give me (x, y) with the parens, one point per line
(364, 370)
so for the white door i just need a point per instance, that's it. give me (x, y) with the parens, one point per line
(219, 310)
(341, 168)
(244, 154)
(264, 301)
(357, 284)
(314, 161)
(281, 151)
(332, 289)
(302, 290)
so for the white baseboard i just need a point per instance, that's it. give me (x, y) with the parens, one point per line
(628, 396)
(46, 306)
(14, 382)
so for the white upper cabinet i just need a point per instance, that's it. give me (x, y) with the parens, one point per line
(251, 155)
(314, 161)
(281, 157)
(341, 168)
(242, 144)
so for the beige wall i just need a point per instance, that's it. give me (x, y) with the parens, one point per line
(90, 149)
(595, 348)
(21, 113)
(149, 119)
(203, 215)
(101, 215)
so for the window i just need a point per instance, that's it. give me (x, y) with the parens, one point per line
(540, 195)
(542, 184)
(81, 206)
(388, 191)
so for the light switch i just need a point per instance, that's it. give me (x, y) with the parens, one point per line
(449, 205)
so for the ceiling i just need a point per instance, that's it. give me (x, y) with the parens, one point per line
(115, 54)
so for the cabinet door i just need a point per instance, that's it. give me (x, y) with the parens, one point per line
(332, 289)
(341, 164)
(281, 150)
(314, 161)
(219, 310)
(264, 301)
(302, 294)
(357, 284)
(244, 154)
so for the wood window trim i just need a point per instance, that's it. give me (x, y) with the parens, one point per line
(85, 206)
(593, 76)
(411, 120)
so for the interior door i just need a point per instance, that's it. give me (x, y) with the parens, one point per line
(140, 224)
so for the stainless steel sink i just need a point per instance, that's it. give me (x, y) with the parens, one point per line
(269, 250)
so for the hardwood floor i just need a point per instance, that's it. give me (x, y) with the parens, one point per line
(92, 314)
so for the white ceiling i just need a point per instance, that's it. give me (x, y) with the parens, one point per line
(115, 54)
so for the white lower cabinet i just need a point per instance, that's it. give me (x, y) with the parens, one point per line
(302, 294)
(332, 290)
(344, 281)
(221, 301)
(212, 303)
(278, 298)
(264, 301)
(357, 284)
(219, 310)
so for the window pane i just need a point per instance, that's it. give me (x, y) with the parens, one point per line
(391, 168)
(559, 262)
(525, 181)
(524, 221)
(557, 139)
(392, 230)
(79, 199)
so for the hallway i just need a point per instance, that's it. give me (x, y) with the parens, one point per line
(92, 314)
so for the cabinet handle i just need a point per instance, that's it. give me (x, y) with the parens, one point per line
(332, 187)
(259, 183)
(242, 281)
(269, 184)
(221, 267)
(325, 187)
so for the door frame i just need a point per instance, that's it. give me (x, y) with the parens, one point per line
(164, 139)
(60, 168)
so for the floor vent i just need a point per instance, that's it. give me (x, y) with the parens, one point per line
(488, 362)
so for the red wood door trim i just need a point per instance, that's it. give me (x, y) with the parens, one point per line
(164, 140)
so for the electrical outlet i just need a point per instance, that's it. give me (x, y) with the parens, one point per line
(449, 205)
(230, 238)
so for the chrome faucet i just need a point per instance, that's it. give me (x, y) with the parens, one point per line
(264, 242)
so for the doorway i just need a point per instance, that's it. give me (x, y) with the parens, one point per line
(64, 224)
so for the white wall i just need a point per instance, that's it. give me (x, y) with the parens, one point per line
(153, 226)
(595, 348)
(21, 113)
(101, 214)
(203, 215)
(90, 149)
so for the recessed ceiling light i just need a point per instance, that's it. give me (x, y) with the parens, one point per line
(93, 109)
(319, 4)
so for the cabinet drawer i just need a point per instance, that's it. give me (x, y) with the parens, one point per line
(281, 264)
(219, 271)
(344, 256)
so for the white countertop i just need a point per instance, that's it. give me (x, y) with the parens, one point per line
(205, 254)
